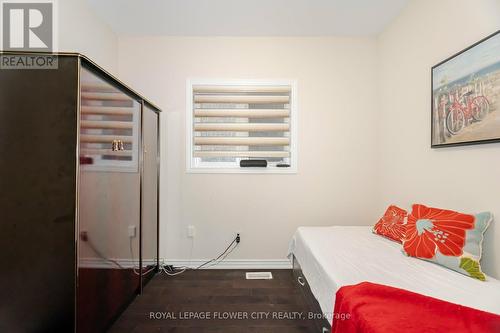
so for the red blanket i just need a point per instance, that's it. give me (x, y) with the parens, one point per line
(374, 308)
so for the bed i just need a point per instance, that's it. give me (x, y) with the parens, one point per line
(337, 256)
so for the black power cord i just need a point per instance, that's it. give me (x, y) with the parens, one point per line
(235, 241)
(172, 270)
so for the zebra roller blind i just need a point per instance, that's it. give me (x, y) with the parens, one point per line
(231, 122)
(109, 126)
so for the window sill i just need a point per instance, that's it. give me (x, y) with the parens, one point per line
(290, 170)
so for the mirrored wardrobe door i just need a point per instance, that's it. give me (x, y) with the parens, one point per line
(109, 202)
(150, 193)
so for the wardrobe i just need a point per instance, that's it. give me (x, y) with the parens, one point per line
(79, 196)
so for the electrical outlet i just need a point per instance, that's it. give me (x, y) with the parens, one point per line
(131, 231)
(191, 231)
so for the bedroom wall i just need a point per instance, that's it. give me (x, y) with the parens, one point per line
(336, 179)
(464, 178)
(82, 31)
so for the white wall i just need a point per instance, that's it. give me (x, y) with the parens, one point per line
(364, 131)
(80, 30)
(465, 178)
(337, 131)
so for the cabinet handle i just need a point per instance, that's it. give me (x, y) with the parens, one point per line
(301, 281)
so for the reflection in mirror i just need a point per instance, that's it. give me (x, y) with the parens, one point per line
(149, 193)
(109, 202)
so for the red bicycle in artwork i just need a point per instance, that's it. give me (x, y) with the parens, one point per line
(464, 109)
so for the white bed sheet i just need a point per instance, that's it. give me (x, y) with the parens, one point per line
(332, 257)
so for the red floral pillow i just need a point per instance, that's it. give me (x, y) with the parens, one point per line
(392, 224)
(448, 238)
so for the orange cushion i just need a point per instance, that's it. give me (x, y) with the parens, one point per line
(392, 224)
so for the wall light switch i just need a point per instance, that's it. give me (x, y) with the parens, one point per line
(191, 231)
(131, 231)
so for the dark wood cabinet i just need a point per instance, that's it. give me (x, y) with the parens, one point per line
(79, 162)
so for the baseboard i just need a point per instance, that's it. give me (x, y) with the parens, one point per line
(103, 263)
(226, 264)
(234, 263)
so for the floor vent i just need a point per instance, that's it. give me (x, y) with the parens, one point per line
(259, 276)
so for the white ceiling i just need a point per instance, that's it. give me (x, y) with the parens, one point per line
(248, 17)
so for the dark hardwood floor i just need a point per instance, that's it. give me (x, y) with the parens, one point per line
(264, 306)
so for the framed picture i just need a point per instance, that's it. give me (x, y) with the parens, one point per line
(466, 96)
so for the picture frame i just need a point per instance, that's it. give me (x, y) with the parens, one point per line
(465, 96)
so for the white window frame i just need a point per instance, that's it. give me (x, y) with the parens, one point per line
(230, 168)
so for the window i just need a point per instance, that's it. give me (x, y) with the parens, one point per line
(230, 121)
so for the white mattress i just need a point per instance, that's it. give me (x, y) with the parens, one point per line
(332, 257)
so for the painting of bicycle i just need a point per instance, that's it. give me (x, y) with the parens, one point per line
(466, 96)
